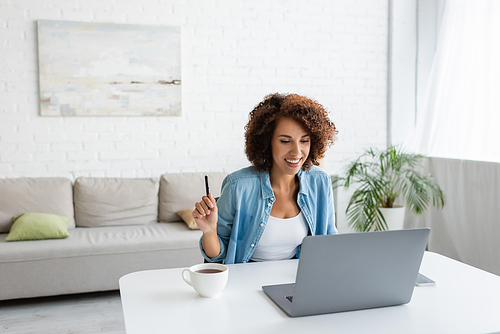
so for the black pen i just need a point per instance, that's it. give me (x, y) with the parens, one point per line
(206, 185)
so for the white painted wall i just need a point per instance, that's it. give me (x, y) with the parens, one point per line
(234, 52)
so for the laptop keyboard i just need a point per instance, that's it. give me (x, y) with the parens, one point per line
(290, 298)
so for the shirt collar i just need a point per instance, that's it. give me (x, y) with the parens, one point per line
(303, 186)
(265, 184)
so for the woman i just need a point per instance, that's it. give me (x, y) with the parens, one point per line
(265, 210)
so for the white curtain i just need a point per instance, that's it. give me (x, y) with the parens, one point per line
(460, 116)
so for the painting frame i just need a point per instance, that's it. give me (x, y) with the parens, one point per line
(107, 69)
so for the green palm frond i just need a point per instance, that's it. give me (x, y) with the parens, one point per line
(381, 176)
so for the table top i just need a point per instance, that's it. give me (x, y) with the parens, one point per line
(464, 300)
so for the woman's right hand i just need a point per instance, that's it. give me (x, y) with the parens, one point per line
(205, 214)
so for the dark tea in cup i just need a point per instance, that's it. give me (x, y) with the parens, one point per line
(209, 271)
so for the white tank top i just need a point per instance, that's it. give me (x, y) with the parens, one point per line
(281, 238)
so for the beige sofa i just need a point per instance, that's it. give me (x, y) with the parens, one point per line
(117, 226)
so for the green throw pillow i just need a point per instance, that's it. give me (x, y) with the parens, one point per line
(38, 226)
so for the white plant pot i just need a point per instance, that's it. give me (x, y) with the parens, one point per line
(394, 217)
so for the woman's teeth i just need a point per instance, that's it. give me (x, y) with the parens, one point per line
(292, 161)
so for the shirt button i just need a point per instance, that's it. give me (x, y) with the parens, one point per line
(244, 261)
(252, 245)
(261, 224)
(268, 204)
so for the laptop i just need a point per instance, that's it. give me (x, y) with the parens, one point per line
(354, 271)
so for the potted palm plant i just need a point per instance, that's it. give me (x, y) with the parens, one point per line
(381, 177)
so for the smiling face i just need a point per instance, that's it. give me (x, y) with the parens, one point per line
(290, 146)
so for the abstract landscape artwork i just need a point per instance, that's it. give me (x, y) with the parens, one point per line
(99, 69)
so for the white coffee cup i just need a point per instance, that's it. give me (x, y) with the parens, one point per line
(208, 279)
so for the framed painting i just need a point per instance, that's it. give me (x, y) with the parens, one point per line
(99, 69)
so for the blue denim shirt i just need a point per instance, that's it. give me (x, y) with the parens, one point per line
(245, 205)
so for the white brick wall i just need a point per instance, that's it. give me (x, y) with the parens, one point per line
(234, 52)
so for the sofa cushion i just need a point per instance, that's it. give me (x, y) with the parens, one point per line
(115, 201)
(104, 241)
(38, 226)
(193, 188)
(43, 195)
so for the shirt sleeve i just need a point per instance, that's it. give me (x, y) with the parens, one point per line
(331, 228)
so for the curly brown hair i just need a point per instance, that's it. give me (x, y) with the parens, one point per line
(263, 119)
